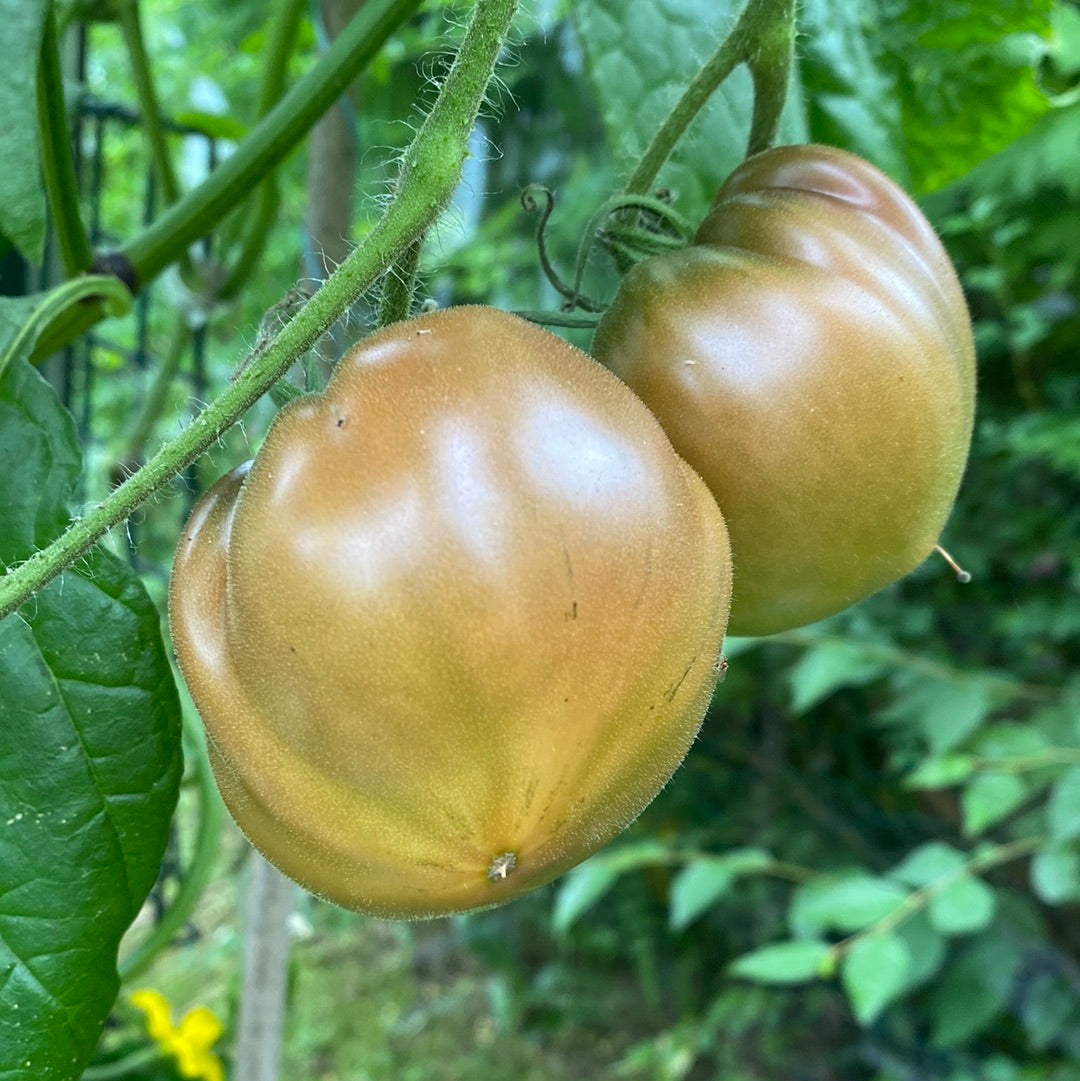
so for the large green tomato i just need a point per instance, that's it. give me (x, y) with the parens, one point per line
(457, 622)
(810, 355)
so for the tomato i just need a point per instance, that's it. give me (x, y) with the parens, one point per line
(457, 622)
(811, 356)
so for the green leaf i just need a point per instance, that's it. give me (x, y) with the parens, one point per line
(1006, 742)
(640, 57)
(843, 904)
(826, 668)
(958, 903)
(926, 948)
(925, 89)
(22, 319)
(945, 713)
(784, 963)
(943, 772)
(89, 754)
(702, 882)
(1047, 1007)
(586, 884)
(580, 890)
(928, 864)
(850, 95)
(974, 989)
(874, 973)
(1063, 807)
(1055, 874)
(962, 907)
(988, 798)
(22, 199)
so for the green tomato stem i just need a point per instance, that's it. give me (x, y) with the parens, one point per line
(131, 27)
(756, 39)
(256, 229)
(770, 64)
(269, 142)
(430, 171)
(57, 163)
(399, 284)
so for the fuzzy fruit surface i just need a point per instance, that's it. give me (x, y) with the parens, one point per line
(456, 623)
(811, 356)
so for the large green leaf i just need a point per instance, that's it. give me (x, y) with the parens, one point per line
(89, 756)
(924, 88)
(22, 200)
(640, 58)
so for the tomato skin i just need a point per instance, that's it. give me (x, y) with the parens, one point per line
(466, 602)
(811, 356)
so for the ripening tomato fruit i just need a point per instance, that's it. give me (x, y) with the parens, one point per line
(811, 356)
(457, 622)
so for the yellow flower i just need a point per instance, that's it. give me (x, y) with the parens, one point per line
(189, 1042)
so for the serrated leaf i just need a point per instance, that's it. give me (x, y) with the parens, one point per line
(874, 973)
(843, 904)
(22, 199)
(826, 668)
(89, 754)
(925, 89)
(1063, 807)
(701, 883)
(850, 95)
(640, 57)
(784, 963)
(587, 884)
(963, 906)
(1055, 874)
(988, 798)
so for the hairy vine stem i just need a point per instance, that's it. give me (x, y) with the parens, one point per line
(429, 174)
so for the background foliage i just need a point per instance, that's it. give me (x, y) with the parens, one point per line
(868, 867)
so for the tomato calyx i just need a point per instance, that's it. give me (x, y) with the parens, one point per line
(629, 227)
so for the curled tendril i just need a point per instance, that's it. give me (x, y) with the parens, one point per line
(538, 198)
(643, 225)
